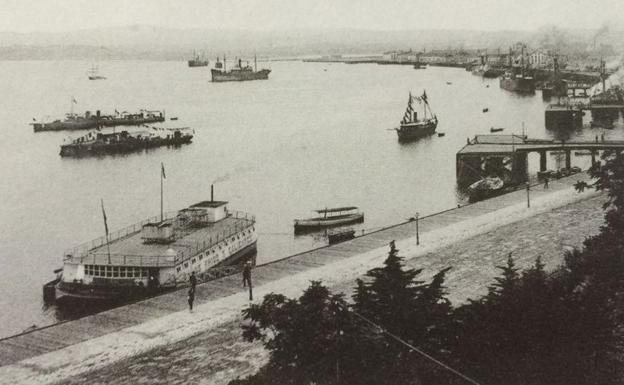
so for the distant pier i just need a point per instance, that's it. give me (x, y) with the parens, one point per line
(512, 150)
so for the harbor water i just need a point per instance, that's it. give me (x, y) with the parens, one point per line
(314, 135)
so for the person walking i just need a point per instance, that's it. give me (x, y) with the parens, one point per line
(545, 182)
(191, 299)
(247, 274)
(193, 280)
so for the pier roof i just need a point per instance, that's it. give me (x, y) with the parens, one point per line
(508, 144)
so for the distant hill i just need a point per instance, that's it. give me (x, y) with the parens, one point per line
(157, 43)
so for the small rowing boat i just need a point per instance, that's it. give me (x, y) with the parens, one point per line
(329, 218)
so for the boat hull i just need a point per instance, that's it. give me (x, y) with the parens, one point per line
(198, 63)
(239, 76)
(79, 292)
(314, 224)
(407, 132)
(87, 149)
(518, 85)
(86, 124)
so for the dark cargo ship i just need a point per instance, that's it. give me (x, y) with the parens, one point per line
(238, 73)
(89, 121)
(97, 143)
(516, 80)
(411, 127)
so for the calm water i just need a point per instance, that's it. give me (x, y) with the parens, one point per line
(312, 136)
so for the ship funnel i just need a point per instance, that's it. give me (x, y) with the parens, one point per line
(211, 193)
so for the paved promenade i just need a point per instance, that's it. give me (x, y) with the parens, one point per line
(159, 341)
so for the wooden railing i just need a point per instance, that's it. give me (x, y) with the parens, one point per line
(185, 250)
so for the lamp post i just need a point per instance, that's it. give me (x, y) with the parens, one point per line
(417, 235)
(528, 185)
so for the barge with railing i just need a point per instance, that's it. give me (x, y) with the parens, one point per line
(157, 254)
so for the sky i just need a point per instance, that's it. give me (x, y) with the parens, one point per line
(488, 15)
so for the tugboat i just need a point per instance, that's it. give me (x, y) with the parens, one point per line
(516, 80)
(98, 143)
(197, 61)
(329, 218)
(412, 128)
(157, 254)
(238, 73)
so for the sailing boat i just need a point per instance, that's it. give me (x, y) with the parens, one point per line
(413, 128)
(94, 73)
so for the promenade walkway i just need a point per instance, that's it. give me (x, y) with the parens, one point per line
(67, 350)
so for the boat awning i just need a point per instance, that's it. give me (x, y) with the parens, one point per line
(336, 209)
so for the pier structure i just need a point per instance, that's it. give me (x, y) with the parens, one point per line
(508, 154)
(570, 115)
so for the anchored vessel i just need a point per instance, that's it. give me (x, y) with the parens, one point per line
(88, 121)
(238, 73)
(197, 61)
(97, 143)
(94, 73)
(329, 218)
(157, 254)
(412, 128)
(517, 80)
(485, 188)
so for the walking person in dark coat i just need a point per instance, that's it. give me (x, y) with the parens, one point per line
(247, 274)
(191, 298)
(193, 280)
(545, 182)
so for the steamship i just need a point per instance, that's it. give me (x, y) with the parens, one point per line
(156, 254)
(238, 73)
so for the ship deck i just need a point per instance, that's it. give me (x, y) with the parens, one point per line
(131, 250)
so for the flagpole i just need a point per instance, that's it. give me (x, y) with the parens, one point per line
(106, 229)
(162, 176)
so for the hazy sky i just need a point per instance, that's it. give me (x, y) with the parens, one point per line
(64, 15)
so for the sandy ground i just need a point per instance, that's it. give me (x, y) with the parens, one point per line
(205, 346)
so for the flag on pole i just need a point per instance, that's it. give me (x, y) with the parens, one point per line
(104, 215)
(162, 169)
(74, 100)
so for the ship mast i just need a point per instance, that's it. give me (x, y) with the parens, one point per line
(255, 64)
(162, 176)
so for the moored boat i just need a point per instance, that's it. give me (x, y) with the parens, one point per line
(517, 80)
(197, 61)
(238, 73)
(485, 188)
(329, 218)
(98, 143)
(94, 73)
(413, 128)
(158, 253)
(89, 121)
